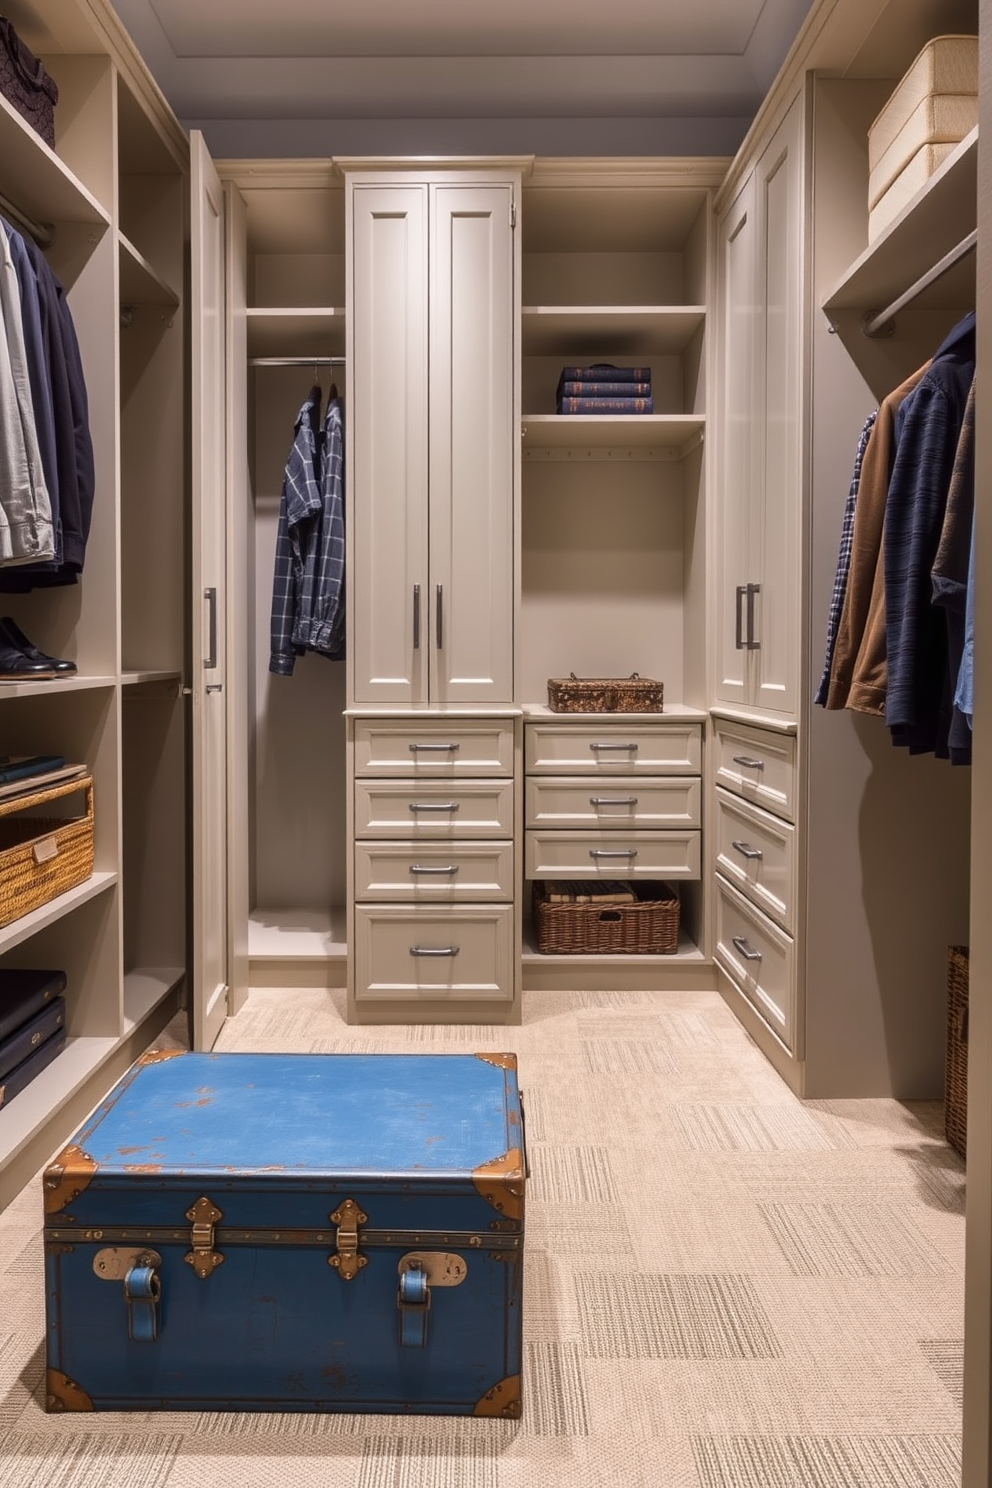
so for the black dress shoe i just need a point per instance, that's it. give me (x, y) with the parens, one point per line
(11, 635)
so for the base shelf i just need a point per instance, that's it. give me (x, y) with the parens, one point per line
(144, 988)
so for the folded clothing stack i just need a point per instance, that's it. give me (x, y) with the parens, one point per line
(588, 891)
(603, 388)
(32, 1026)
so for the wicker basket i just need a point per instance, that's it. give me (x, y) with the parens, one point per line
(633, 694)
(43, 856)
(648, 928)
(956, 1058)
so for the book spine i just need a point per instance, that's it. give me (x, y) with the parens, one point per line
(604, 390)
(604, 372)
(606, 405)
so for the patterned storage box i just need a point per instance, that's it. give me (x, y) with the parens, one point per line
(633, 694)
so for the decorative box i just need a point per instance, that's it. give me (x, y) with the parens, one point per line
(633, 694)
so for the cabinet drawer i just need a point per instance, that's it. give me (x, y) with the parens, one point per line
(756, 852)
(758, 765)
(612, 748)
(611, 854)
(457, 952)
(398, 809)
(435, 747)
(431, 871)
(569, 802)
(759, 958)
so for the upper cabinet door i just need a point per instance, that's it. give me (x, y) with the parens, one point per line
(209, 581)
(388, 636)
(471, 444)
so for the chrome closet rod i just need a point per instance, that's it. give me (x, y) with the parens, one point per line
(297, 361)
(880, 321)
(42, 232)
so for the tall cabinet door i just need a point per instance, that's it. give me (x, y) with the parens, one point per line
(471, 444)
(208, 631)
(388, 364)
(778, 508)
(738, 298)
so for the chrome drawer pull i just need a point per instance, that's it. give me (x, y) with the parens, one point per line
(434, 950)
(433, 805)
(425, 868)
(625, 747)
(748, 762)
(612, 800)
(746, 851)
(416, 617)
(424, 748)
(745, 950)
(613, 852)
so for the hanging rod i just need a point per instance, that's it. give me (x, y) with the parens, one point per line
(42, 232)
(297, 361)
(874, 325)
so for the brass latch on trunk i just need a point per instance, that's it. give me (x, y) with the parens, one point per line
(203, 1258)
(346, 1260)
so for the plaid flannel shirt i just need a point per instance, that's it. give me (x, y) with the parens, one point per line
(299, 503)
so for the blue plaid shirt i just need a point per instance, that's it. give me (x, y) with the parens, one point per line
(843, 562)
(308, 578)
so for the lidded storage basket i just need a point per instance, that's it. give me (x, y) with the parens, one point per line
(956, 1060)
(633, 694)
(42, 856)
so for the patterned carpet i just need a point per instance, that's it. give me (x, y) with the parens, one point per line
(724, 1288)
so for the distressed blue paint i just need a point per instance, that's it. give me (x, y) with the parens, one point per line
(276, 1141)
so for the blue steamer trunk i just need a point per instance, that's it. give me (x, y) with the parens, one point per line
(291, 1232)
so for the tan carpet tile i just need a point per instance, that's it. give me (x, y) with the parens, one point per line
(738, 1128)
(946, 1358)
(837, 1240)
(673, 1317)
(828, 1462)
(554, 1390)
(573, 1175)
(626, 1058)
(92, 1462)
(465, 1462)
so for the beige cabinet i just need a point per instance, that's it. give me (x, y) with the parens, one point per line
(432, 440)
(760, 288)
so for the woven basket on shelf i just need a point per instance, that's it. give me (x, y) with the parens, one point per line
(648, 928)
(633, 694)
(42, 856)
(956, 1056)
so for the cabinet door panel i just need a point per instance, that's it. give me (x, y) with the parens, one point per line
(471, 445)
(389, 376)
(780, 494)
(738, 305)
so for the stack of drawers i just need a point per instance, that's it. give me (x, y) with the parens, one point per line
(433, 860)
(617, 799)
(756, 870)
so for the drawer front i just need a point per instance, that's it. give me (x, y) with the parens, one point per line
(613, 749)
(758, 765)
(435, 747)
(671, 801)
(756, 852)
(416, 952)
(399, 809)
(611, 854)
(759, 958)
(431, 871)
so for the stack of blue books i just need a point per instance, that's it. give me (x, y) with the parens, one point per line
(603, 388)
(32, 1026)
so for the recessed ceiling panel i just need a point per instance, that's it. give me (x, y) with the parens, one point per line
(451, 28)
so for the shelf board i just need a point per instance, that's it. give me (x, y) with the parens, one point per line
(296, 934)
(144, 988)
(35, 179)
(672, 434)
(940, 215)
(54, 685)
(673, 713)
(140, 283)
(143, 675)
(29, 924)
(587, 331)
(31, 1110)
(308, 331)
(687, 953)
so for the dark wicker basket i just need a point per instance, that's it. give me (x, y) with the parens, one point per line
(956, 1058)
(633, 694)
(648, 928)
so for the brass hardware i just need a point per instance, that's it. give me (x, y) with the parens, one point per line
(66, 1177)
(203, 1258)
(441, 1268)
(501, 1183)
(63, 1394)
(502, 1400)
(115, 1261)
(501, 1061)
(155, 1056)
(346, 1260)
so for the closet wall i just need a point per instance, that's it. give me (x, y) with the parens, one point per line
(112, 198)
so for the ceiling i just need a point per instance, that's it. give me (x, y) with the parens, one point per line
(563, 77)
